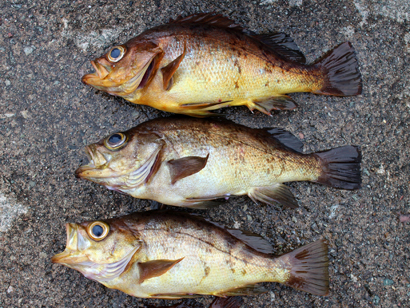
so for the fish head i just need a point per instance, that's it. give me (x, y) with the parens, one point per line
(100, 250)
(122, 161)
(125, 69)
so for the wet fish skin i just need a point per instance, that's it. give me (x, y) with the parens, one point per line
(170, 255)
(195, 162)
(205, 62)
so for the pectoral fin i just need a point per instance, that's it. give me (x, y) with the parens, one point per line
(282, 102)
(277, 193)
(183, 167)
(169, 70)
(251, 289)
(155, 268)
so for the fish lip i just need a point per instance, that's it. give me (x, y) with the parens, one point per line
(68, 255)
(132, 84)
(90, 166)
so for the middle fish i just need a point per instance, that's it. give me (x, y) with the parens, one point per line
(194, 162)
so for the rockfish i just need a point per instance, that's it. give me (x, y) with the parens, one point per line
(205, 62)
(194, 162)
(173, 255)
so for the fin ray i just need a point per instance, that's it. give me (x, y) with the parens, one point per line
(186, 166)
(155, 268)
(309, 270)
(282, 102)
(169, 70)
(278, 193)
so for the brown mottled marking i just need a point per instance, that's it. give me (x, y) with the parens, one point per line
(236, 85)
(236, 63)
(243, 272)
(267, 84)
(233, 270)
(207, 270)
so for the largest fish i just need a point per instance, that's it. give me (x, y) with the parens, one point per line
(204, 62)
(192, 162)
(174, 255)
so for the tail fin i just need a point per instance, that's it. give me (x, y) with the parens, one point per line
(309, 268)
(343, 77)
(341, 167)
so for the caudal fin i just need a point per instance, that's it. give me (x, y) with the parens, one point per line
(309, 270)
(341, 167)
(343, 77)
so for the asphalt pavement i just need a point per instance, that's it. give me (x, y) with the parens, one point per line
(47, 116)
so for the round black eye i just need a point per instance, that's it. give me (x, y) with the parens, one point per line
(115, 141)
(97, 230)
(116, 53)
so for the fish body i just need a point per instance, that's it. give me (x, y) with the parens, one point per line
(174, 255)
(205, 62)
(193, 162)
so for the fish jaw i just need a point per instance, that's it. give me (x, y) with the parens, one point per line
(119, 81)
(78, 257)
(98, 170)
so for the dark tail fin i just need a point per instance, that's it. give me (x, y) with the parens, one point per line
(309, 268)
(343, 77)
(341, 167)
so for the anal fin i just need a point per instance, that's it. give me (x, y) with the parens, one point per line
(169, 70)
(205, 202)
(282, 102)
(227, 302)
(278, 193)
(155, 268)
(250, 289)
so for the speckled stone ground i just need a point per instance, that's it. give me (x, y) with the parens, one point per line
(47, 115)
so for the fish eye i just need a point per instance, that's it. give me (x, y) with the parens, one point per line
(115, 141)
(116, 53)
(98, 230)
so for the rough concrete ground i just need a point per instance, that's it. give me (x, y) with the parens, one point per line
(47, 116)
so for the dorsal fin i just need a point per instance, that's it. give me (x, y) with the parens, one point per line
(283, 45)
(253, 240)
(286, 138)
(212, 19)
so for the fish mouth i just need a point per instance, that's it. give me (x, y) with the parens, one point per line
(101, 81)
(74, 257)
(101, 173)
(97, 161)
(70, 255)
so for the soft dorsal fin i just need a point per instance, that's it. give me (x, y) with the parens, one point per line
(283, 45)
(211, 19)
(286, 138)
(186, 166)
(253, 240)
(155, 268)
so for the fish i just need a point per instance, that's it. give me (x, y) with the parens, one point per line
(172, 255)
(204, 62)
(219, 302)
(200, 162)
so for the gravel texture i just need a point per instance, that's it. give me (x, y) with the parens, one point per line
(47, 116)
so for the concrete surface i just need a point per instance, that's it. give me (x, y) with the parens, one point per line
(47, 115)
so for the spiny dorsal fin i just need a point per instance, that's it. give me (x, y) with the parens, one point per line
(282, 44)
(211, 19)
(186, 166)
(286, 138)
(169, 70)
(155, 268)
